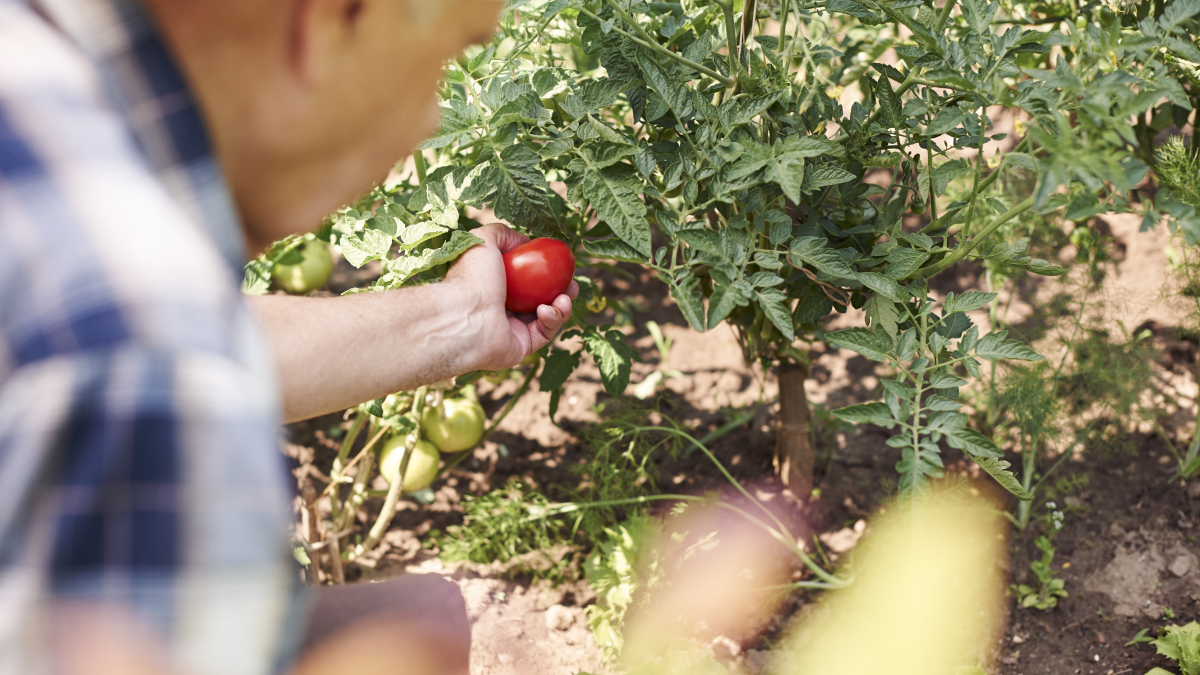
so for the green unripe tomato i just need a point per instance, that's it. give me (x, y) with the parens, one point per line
(916, 206)
(422, 468)
(1081, 22)
(459, 430)
(1083, 238)
(309, 274)
(853, 216)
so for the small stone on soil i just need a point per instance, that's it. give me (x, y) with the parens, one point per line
(1181, 565)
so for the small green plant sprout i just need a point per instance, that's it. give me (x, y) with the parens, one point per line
(1050, 588)
(1168, 613)
(1181, 644)
(655, 380)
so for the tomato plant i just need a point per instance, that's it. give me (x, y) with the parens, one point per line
(775, 162)
(536, 273)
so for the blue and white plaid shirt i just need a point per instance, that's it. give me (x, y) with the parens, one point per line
(139, 462)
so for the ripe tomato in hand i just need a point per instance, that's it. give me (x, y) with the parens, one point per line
(537, 273)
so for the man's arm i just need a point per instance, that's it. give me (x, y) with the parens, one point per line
(333, 353)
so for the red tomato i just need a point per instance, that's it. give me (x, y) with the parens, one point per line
(537, 273)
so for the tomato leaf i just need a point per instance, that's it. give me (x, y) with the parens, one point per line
(993, 346)
(406, 266)
(998, 469)
(812, 251)
(875, 344)
(612, 355)
(972, 442)
(687, 295)
(866, 413)
(772, 303)
(967, 302)
(359, 248)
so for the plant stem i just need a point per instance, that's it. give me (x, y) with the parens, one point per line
(966, 234)
(397, 487)
(335, 472)
(731, 47)
(944, 17)
(419, 163)
(1028, 467)
(966, 247)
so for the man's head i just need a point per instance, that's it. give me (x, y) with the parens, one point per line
(310, 101)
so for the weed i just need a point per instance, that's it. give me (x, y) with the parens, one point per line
(622, 562)
(1049, 589)
(504, 524)
(1178, 169)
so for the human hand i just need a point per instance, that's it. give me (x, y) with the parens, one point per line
(501, 338)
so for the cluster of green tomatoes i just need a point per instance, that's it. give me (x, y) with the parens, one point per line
(455, 425)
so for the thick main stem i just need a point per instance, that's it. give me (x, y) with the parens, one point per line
(794, 454)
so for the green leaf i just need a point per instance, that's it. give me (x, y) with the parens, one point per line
(875, 344)
(946, 120)
(257, 278)
(359, 248)
(972, 442)
(559, 364)
(601, 154)
(613, 356)
(866, 413)
(944, 379)
(941, 404)
(676, 95)
(523, 196)
(993, 346)
(772, 302)
(406, 266)
(967, 302)
(978, 14)
(419, 233)
(615, 193)
(614, 249)
(853, 9)
(882, 285)
(702, 240)
(904, 261)
(301, 555)
(822, 175)
(691, 302)
(889, 103)
(998, 468)
(812, 251)
(882, 312)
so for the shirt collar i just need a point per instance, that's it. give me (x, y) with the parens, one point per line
(148, 90)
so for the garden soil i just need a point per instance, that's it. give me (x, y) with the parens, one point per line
(1128, 550)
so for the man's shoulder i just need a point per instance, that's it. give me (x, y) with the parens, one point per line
(94, 249)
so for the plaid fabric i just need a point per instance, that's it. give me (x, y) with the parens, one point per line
(139, 464)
